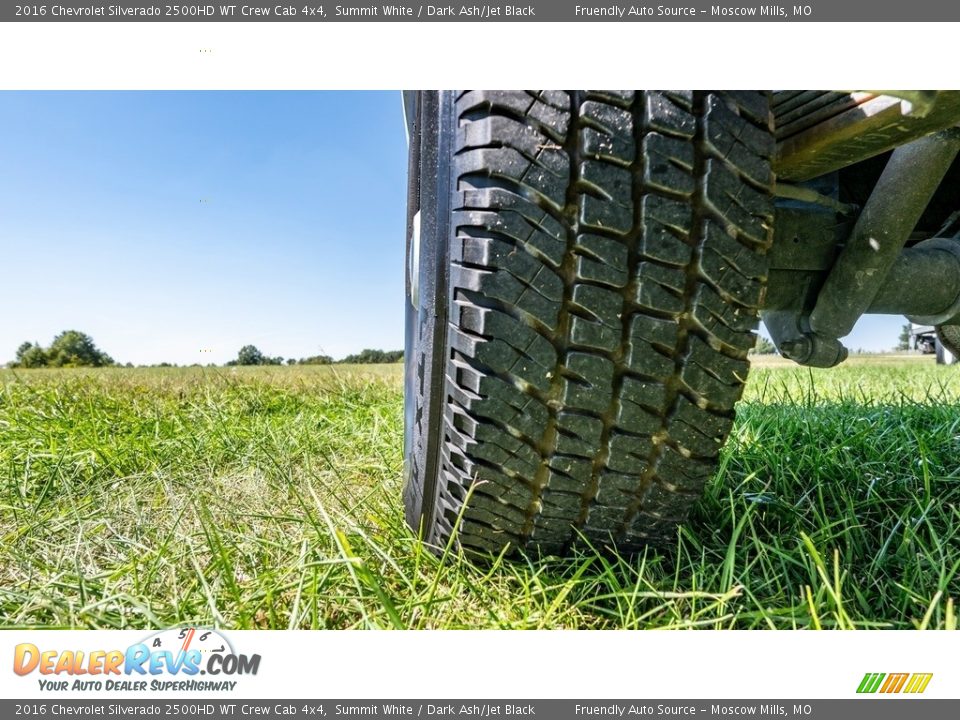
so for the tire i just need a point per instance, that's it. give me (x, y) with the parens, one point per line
(944, 356)
(590, 269)
(948, 344)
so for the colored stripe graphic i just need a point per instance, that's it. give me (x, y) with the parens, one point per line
(894, 683)
(918, 682)
(870, 682)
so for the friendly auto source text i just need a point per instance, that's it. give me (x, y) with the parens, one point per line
(626, 11)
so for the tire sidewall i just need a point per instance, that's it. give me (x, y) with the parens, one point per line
(425, 352)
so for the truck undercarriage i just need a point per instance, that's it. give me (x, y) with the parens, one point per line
(866, 216)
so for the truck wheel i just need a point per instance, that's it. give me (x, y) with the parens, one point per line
(585, 285)
(944, 356)
(948, 344)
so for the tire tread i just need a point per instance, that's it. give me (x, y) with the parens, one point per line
(608, 259)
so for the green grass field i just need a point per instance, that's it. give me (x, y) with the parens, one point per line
(270, 498)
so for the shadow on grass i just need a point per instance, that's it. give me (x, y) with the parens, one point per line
(839, 514)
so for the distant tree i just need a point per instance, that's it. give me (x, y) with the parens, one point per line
(903, 342)
(317, 360)
(30, 355)
(764, 347)
(70, 348)
(374, 356)
(249, 355)
(291, 361)
(73, 348)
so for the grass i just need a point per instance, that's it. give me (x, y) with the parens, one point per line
(269, 498)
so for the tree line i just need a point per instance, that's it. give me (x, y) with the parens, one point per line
(70, 348)
(73, 348)
(251, 355)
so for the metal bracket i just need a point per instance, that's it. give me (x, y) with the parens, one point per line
(947, 254)
(908, 182)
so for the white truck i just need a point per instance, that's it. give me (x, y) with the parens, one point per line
(924, 338)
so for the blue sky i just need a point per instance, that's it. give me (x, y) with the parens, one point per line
(169, 223)
(166, 223)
